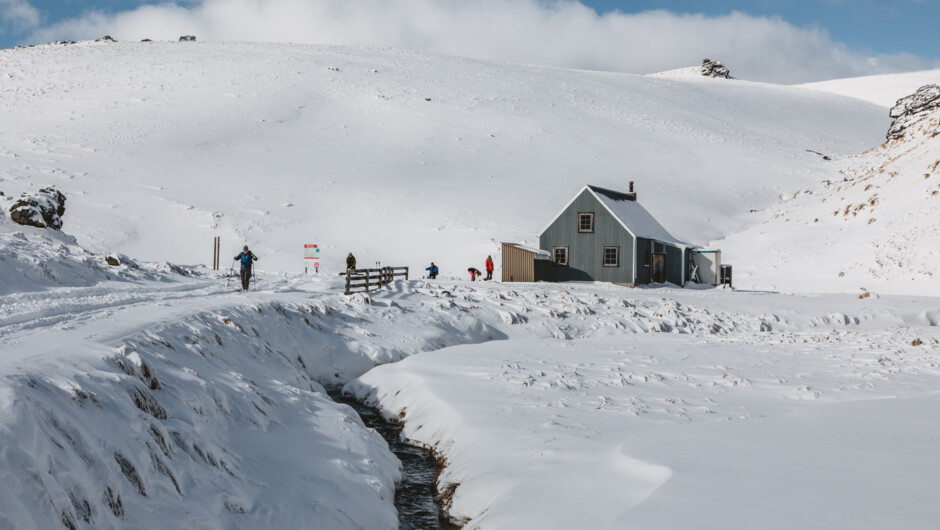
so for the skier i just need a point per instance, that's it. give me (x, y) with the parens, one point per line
(432, 271)
(350, 261)
(489, 267)
(246, 257)
(474, 273)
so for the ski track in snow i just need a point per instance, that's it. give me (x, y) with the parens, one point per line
(67, 308)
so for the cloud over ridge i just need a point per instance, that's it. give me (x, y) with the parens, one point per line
(18, 13)
(560, 33)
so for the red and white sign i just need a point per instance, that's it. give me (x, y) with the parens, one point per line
(311, 252)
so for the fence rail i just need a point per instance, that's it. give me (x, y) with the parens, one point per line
(372, 279)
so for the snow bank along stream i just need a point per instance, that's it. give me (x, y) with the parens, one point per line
(211, 411)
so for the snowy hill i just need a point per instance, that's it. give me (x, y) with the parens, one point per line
(882, 90)
(872, 229)
(397, 156)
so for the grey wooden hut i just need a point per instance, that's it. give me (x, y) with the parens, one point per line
(606, 235)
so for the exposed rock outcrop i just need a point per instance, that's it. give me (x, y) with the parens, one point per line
(712, 68)
(187, 38)
(911, 109)
(116, 259)
(43, 210)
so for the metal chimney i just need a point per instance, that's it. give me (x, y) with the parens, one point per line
(631, 195)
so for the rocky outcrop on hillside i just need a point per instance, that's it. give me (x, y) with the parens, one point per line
(911, 109)
(712, 68)
(43, 210)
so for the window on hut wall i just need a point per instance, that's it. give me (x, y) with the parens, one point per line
(585, 222)
(611, 256)
(560, 255)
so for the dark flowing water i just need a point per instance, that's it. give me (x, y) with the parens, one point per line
(415, 497)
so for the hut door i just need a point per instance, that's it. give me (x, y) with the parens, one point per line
(659, 268)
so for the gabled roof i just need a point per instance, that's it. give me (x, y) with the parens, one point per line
(628, 212)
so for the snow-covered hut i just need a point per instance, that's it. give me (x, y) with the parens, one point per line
(605, 235)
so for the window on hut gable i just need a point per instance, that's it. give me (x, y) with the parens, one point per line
(585, 222)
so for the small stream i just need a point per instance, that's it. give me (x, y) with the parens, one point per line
(415, 497)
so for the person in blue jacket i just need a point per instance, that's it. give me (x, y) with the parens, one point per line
(432, 271)
(246, 257)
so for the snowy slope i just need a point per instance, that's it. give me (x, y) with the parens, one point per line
(397, 156)
(882, 90)
(874, 228)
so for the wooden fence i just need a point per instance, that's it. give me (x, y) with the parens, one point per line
(366, 279)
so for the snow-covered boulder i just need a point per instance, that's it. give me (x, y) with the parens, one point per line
(43, 210)
(712, 68)
(116, 259)
(911, 109)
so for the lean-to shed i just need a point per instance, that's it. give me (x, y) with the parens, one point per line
(524, 264)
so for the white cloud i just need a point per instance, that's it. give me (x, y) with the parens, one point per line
(563, 33)
(19, 14)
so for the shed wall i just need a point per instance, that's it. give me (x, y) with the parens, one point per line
(518, 265)
(586, 250)
(674, 264)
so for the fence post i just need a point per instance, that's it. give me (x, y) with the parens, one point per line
(348, 274)
(367, 280)
(406, 273)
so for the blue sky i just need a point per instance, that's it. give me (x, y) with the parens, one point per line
(880, 26)
(783, 41)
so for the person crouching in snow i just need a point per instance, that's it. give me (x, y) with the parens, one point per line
(350, 261)
(432, 271)
(489, 267)
(474, 273)
(246, 257)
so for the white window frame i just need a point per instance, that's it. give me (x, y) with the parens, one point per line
(616, 257)
(555, 255)
(590, 216)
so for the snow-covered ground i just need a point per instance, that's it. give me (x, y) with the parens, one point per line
(553, 405)
(152, 395)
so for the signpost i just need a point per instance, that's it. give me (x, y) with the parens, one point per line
(312, 252)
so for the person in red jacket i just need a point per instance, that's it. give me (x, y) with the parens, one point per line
(489, 267)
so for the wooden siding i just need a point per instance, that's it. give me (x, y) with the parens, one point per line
(586, 250)
(518, 264)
